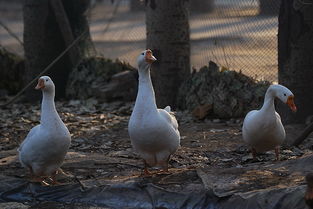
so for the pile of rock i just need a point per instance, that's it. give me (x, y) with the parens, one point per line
(220, 93)
(104, 79)
(11, 72)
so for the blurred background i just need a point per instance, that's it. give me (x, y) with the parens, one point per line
(239, 35)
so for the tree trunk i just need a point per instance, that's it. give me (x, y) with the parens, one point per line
(76, 11)
(136, 5)
(269, 7)
(167, 30)
(44, 41)
(295, 52)
(202, 6)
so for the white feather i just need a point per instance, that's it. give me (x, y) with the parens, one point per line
(262, 129)
(46, 145)
(153, 132)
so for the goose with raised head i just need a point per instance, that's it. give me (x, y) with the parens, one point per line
(44, 148)
(153, 132)
(262, 129)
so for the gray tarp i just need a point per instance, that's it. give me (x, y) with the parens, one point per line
(135, 195)
(266, 185)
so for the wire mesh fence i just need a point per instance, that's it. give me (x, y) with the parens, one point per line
(237, 34)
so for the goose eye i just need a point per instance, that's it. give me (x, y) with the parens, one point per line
(47, 80)
(284, 94)
(142, 53)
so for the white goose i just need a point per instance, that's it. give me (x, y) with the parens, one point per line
(46, 145)
(153, 132)
(262, 129)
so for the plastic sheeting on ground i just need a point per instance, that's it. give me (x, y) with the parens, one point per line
(257, 185)
(136, 195)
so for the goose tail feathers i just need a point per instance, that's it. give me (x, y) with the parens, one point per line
(167, 109)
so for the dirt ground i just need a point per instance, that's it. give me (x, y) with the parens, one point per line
(212, 154)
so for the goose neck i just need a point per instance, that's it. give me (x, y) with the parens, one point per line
(146, 96)
(268, 104)
(144, 75)
(48, 111)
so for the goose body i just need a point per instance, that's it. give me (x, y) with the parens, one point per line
(153, 132)
(46, 145)
(262, 129)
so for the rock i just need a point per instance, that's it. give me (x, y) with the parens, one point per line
(80, 140)
(216, 121)
(213, 130)
(202, 111)
(11, 71)
(241, 149)
(246, 158)
(238, 121)
(231, 94)
(123, 86)
(114, 106)
(227, 159)
(232, 120)
(108, 143)
(124, 110)
(297, 151)
(104, 79)
(90, 103)
(74, 103)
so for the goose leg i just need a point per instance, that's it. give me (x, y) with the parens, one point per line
(253, 151)
(146, 171)
(54, 178)
(165, 166)
(36, 179)
(277, 153)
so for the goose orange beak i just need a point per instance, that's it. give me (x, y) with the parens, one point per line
(291, 104)
(149, 57)
(41, 84)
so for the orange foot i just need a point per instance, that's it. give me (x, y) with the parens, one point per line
(146, 172)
